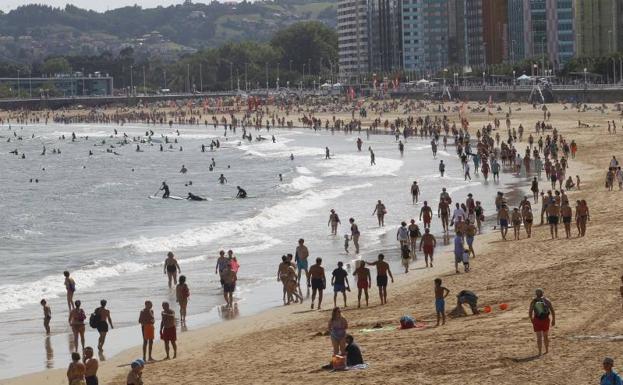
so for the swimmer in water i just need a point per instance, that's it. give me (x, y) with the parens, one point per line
(222, 179)
(193, 197)
(241, 193)
(184, 170)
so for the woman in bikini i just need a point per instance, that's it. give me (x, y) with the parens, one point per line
(337, 330)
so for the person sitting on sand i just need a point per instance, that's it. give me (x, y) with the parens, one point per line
(135, 377)
(610, 377)
(353, 352)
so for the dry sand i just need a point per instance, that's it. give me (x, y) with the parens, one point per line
(580, 276)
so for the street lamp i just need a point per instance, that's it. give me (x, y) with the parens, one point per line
(483, 79)
(514, 80)
(131, 79)
(18, 86)
(585, 77)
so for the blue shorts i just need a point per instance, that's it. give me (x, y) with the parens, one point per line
(504, 223)
(302, 264)
(440, 305)
(339, 288)
(469, 240)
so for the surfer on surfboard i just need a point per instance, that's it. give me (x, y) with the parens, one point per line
(165, 188)
(241, 193)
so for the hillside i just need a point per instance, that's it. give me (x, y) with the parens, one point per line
(32, 32)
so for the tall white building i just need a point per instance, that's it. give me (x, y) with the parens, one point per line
(353, 39)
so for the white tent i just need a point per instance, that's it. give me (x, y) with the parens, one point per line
(423, 81)
(524, 77)
(337, 85)
(326, 86)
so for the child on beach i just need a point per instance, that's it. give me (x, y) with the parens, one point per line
(346, 240)
(466, 260)
(47, 315)
(440, 303)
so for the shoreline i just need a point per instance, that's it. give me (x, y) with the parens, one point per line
(197, 343)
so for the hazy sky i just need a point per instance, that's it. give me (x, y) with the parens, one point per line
(7, 5)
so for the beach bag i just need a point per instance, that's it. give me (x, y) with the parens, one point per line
(93, 319)
(541, 310)
(338, 362)
(407, 322)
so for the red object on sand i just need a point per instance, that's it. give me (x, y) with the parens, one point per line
(487, 309)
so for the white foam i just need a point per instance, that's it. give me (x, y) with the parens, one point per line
(268, 149)
(300, 183)
(288, 211)
(303, 170)
(14, 296)
(359, 166)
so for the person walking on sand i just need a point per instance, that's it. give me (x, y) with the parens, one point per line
(339, 281)
(317, 281)
(104, 319)
(382, 271)
(47, 316)
(168, 331)
(539, 313)
(428, 244)
(76, 321)
(426, 215)
(182, 293)
(380, 212)
(147, 320)
(354, 234)
(440, 301)
(503, 218)
(91, 365)
(364, 281)
(76, 370)
(171, 269)
(301, 254)
(70, 287)
(337, 330)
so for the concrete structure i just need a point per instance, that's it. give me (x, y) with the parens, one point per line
(62, 86)
(598, 27)
(353, 44)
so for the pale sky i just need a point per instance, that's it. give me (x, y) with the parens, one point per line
(7, 5)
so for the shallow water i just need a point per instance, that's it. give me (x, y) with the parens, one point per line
(92, 215)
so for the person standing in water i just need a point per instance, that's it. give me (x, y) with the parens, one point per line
(171, 269)
(380, 212)
(70, 287)
(354, 234)
(415, 192)
(182, 293)
(442, 168)
(104, 319)
(222, 179)
(47, 316)
(334, 221)
(327, 153)
(300, 257)
(372, 157)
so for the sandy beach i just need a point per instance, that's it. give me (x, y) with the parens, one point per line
(580, 276)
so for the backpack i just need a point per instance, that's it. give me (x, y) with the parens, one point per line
(541, 310)
(407, 322)
(94, 319)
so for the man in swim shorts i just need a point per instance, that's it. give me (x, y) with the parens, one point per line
(382, 271)
(339, 281)
(91, 365)
(539, 313)
(426, 215)
(102, 324)
(318, 281)
(300, 257)
(229, 285)
(428, 244)
(503, 218)
(147, 320)
(364, 281)
(553, 214)
(168, 331)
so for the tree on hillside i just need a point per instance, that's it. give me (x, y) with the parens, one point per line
(56, 66)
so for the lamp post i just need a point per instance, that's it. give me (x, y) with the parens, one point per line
(30, 82)
(82, 81)
(131, 79)
(484, 84)
(164, 73)
(200, 78)
(585, 83)
(514, 80)
(144, 81)
(18, 86)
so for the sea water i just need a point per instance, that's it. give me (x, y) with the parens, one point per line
(92, 216)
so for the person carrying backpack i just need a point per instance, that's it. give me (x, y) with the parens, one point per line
(540, 310)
